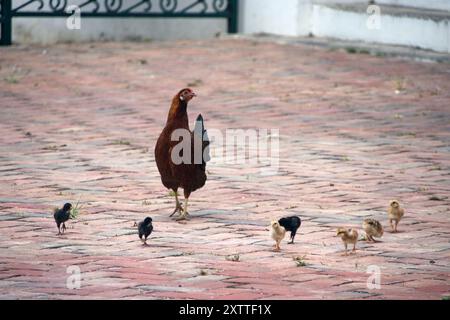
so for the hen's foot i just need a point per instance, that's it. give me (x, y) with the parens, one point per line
(182, 217)
(178, 209)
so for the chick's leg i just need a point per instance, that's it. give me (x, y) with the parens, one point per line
(178, 207)
(346, 253)
(277, 247)
(292, 238)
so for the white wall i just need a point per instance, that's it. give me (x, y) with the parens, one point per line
(269, 16)
(51, 30)
(427, 34)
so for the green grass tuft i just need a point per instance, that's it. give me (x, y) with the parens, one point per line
(121, 142)
(195, 83)
(11, 79)
(300, 261)
(172, 193)
(75, 212)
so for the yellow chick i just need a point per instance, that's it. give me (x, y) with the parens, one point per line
(395, 214)
(277, 233)
(348, 235)
(372, 228)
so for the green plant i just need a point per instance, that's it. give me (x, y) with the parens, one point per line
(400, 84)
(300, 261)
(75, 210)
(121, 142)
(234, 258)
(195, 83)
(172, 193)
(12, 79)
(353, 50)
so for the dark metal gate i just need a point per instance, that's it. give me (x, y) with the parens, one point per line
(224, 9)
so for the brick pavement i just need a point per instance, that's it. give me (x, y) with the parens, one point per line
(80, 121)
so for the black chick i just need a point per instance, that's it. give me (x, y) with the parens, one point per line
(145, 229)
(61, 216)
(291, 224)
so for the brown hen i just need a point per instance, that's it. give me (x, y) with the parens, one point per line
(180, 154)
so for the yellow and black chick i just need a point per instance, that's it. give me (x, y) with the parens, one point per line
(372, 228)
(348, 236)
(395, 214)
(145, 228)
(61, 216)
(277, 233)
(291, 224)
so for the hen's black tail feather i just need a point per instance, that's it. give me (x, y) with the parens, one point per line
(200, 132)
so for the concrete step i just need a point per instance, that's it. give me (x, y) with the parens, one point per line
(415, 27)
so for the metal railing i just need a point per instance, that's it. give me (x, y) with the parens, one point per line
(223, 9)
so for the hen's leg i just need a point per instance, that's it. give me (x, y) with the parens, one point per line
(184, 213)
(178, 207)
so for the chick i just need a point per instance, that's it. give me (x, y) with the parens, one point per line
(145, 228)
(395, 214)
(373, 228)
(348, 235)
(277, 233)
(291, 224)
(61, 216)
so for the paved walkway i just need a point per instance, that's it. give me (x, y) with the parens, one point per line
(79, 122)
